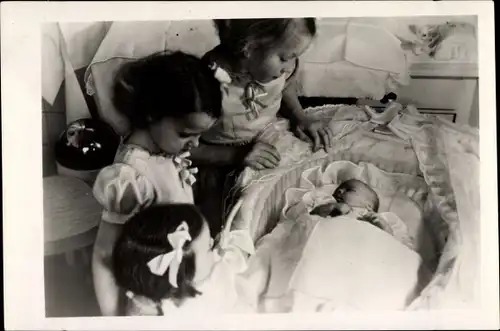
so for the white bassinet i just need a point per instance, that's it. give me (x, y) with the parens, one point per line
(443, 155)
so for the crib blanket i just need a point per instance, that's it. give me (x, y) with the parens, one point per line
(446, 156)
(337, 264)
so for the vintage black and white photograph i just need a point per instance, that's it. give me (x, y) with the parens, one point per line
(261, 165)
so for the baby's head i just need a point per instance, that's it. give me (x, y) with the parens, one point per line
(149, 240)
(357, 194)
(174, 96)
(266, 48)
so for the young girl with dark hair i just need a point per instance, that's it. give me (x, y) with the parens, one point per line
(256, 63)
(169, 100)
(166, 262)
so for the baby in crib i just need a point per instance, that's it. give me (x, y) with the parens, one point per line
(358, 200)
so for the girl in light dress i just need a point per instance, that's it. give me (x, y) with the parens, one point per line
(167, 263)
(169, 100)
(256, 64)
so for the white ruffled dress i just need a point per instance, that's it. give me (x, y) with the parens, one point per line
(138, 179)
(226, 290)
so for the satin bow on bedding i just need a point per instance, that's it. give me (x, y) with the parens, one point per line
(234, 245)
(185, 173)
(171, 260)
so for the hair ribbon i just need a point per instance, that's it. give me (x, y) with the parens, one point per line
(183, 163)
(171, 260)
(220, 74)
(252, 93)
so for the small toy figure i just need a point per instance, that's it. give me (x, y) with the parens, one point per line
(428, 37)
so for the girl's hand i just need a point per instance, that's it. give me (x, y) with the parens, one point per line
(262, 156)
(318, 131)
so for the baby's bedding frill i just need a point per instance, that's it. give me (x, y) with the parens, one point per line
(449, 160)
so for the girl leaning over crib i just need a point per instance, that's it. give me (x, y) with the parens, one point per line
(256, 63)
(169, 100)
(166, 262)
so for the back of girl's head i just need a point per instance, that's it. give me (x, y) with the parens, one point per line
(240, 35)
(165, 85)
(143, 238)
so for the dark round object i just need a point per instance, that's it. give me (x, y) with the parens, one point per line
(388, 98)
(87, 144)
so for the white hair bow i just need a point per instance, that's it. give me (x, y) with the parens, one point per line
(220, 74)
(171, 260)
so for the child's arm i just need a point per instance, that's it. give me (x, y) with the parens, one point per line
(259, 155)
(218, 155)
(290, 105)
(106, 289)
(292, 109)
(122, 191)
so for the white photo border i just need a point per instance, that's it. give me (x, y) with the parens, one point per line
(22, 160)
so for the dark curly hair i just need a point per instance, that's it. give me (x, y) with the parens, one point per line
(238, 35)
(165, 84)
(144, 237)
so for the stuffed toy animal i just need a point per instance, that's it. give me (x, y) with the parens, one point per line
(428, 38)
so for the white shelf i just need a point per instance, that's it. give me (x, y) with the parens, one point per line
(444, 69)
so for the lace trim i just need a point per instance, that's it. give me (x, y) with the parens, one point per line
(436, 174)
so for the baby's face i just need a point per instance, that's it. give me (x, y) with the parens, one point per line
(356, 194)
